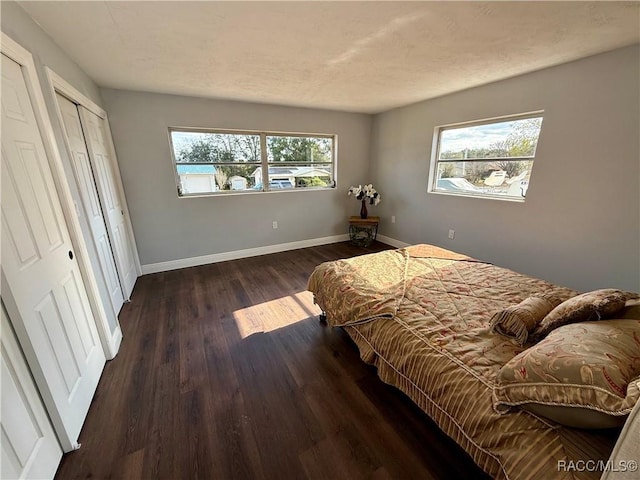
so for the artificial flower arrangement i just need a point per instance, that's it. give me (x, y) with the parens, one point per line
(365, 193)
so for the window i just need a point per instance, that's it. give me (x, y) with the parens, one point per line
(490, 158)
(220, 161)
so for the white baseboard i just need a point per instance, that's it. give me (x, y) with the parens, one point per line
(392, 241)
(236, 254)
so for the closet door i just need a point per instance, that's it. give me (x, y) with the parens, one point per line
(29, 445)
(85, 181)
(102, 162)
(42, 287)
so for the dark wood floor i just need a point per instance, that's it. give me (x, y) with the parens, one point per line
(224, 372)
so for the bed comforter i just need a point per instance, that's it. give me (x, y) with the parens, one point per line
(421, 316)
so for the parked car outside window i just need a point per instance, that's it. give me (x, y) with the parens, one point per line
(275, 185)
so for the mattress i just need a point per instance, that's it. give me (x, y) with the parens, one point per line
(421, 316)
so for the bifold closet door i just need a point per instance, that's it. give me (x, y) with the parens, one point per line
(42, 287)
(29, 445)
(85, 181)
(102, 162)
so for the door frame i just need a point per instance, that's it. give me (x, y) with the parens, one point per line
(23, 57)
(59, 85)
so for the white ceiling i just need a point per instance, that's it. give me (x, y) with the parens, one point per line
(353, 56)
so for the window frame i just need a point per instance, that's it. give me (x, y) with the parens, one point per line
(263, 163)
(435, 154)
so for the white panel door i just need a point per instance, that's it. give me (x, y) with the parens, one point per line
(103, 165)
(87, 187)
(49, 305)
(29, 448)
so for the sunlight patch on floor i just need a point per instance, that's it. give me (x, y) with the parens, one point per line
(274, 314)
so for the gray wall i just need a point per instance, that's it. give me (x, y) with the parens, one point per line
(580, 224)
(170, 228)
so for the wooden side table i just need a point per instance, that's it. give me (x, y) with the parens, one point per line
(363, 231)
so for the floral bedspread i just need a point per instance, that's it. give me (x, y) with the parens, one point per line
(421, 316)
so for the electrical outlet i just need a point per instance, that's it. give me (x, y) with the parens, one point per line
(393, 219)
(452, 233)
(275, 224)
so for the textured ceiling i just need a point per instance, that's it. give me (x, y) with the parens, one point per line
(352, 56)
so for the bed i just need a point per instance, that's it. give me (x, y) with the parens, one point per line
(420, 315)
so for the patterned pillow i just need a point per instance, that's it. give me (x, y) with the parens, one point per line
(592, 367)
(517, 321)
(582, 308)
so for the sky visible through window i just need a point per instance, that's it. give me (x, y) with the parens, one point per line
(184, 139)
(476, 137)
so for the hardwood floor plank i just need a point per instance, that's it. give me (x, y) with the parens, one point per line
(327, 459)
(225, 373)
(282, 421)
(131, 466)
(161, 450)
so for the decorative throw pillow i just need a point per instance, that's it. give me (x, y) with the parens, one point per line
(589, 371)
(582, 308)
(517, 321)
